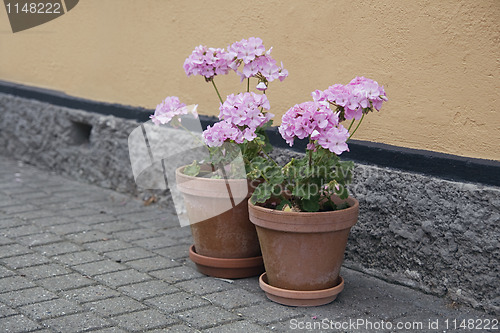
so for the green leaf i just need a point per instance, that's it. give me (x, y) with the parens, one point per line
(311, 204)
(262, 193)
(283, 203)
(192, 169)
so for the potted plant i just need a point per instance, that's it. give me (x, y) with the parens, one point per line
(216, 190)
(302, 210)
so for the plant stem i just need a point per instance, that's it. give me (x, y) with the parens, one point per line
(248, 85)
(356, 127)
(269, 157)
(217, 91)
(352, 122)
(310, 154)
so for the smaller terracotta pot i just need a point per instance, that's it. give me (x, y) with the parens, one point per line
(223, 235)
(303, 251)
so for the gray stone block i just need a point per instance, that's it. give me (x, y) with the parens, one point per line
(20, 324)
(149, 289)
(79, 322)
(26, 296)
(143, 320)
(115, 306)
(50, 309)
(207, 317)
(65, 282)
(118, 279)
(25, 260)
(90, 294)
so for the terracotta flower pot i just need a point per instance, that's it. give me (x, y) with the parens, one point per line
(224, 230)
(303, 251)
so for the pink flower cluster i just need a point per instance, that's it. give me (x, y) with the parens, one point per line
(317, 121)
(222, 131)
(207, 62)
(252, 54)
(244, 109)
(360, 94)
(240, 116)
(168, 109)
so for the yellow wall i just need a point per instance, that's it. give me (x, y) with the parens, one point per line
(439, 60)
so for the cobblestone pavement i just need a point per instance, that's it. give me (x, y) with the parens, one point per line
(78, 258)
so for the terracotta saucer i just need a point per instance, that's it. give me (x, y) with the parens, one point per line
(300, 298)
(228, 268)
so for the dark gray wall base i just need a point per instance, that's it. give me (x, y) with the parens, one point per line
(435, 235)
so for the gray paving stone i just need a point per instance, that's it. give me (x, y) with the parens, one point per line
(156, 242)
(235, 298)
(177, 302)
(143, 320)
(179, 233)
(145, 215)
(79, 322)
(4, 240)
(177, 328)
(68, 228)
(207, 317)
(177, 274)
(4, 272)
(19, 324)
(99, 267)
(115, 226)
(174, 252)
(78, 258)
(12, 210)
(26, 296)
(25, 260)
(23, 230)
(88, 236)
(59, 248)
(122, 278)
(9, 222)
(50, 309)
(34, 214)
(152, 264)
(149, 289)
(51, 220)
(6, 311)
(137, 234)
(107, 245)
(205, 285)
(15, 282)
(271, 312)
(66, 282)
(239, 326)
(44, 271)
(89, 294)
(78, 211)
(96, 218)
(129, 254)
(115, 306)
(110, 330)
(39, 239)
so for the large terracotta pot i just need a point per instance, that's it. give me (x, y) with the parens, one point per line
(225, 241)
(303, 252)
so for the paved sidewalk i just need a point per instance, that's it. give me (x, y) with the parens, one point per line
(78, 258)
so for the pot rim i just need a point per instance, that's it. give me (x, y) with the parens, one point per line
(182, 175)
(305, 214)
(305, 222)
(211, 188)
